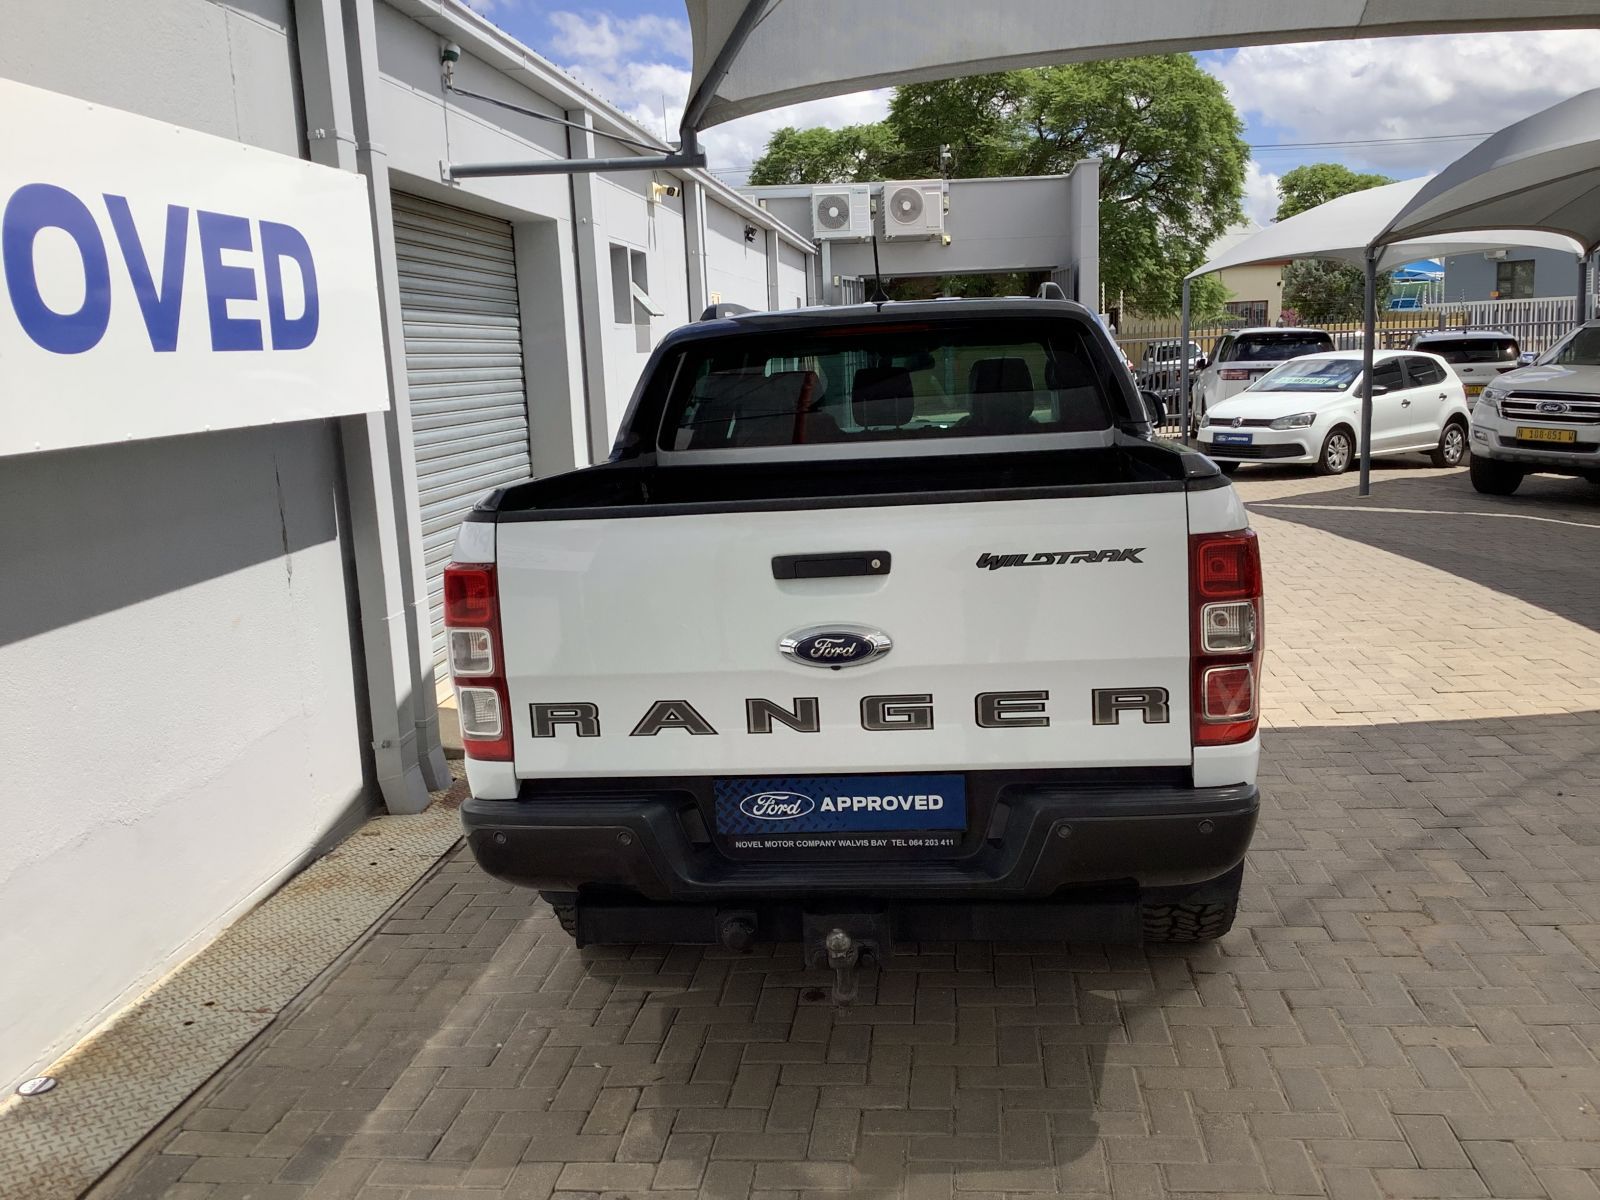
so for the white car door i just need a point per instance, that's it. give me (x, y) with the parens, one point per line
(1429, 392)
(1391, 406)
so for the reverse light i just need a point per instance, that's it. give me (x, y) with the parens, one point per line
(472, 635)
(1228, 694)
(1297, 421)
(1226, 636)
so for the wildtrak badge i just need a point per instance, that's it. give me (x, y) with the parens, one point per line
(1060, 558)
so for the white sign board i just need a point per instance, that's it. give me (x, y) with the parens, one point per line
(156, 281)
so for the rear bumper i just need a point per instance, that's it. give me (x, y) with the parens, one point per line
(1039, 839)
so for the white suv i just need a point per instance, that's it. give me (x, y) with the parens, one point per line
(1544, 418)
(1245, 355)
(1477, 356)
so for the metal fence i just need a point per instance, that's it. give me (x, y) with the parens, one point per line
(1536, 324)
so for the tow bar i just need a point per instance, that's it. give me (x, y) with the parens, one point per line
(843, 942)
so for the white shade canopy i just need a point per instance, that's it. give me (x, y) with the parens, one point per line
(1344, 227)
(799, 50)
(1541, 173)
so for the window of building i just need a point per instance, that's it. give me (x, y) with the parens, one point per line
(621, 286)
(630, 293)
(1513, 279)
(1251, 312)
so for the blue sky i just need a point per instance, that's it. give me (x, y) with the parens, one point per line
(1390, 105)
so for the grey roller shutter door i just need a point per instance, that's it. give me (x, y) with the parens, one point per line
(463, 330)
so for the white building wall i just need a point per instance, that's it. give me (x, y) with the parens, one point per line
(179, 703)
(175, 626)
(735, 269)
(792, 265)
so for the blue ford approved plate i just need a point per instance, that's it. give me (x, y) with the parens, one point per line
(816, 806)
(1232, 439)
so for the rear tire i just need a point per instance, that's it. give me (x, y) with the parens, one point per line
(1452, 448)
(1201, 915)
(1494, 478)
(1338, 452)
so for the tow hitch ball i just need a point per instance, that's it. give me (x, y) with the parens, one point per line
(844, 955)
(844, 944)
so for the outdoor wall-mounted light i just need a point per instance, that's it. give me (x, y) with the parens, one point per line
(749, 233)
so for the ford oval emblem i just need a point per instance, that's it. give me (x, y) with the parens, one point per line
(776, 806)
(1552, 407)
(835, 645)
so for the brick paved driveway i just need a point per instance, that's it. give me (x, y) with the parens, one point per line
(1408, 1007)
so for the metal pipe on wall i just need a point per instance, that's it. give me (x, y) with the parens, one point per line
(369, 469)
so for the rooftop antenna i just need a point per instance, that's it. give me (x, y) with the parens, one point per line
(879, 296)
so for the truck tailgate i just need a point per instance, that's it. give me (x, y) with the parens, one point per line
(621, 614)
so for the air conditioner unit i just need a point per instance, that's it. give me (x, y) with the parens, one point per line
(1496, 255)
(842, 211)
(913, 208)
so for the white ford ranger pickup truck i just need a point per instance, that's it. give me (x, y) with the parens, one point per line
(882, 623)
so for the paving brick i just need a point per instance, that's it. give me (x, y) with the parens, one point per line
(1405, 1007)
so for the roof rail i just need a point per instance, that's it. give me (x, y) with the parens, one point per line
(715, 312)
(1050, 290)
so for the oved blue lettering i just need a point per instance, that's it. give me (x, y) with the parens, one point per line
(34, 207)
(279, 242)
(219, 232)
(160, 308)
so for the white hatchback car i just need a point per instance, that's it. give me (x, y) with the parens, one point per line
(1308, 410)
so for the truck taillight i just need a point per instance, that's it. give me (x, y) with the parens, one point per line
(472, 638)
(1226, 637)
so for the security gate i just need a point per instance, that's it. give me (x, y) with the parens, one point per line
(469, 413)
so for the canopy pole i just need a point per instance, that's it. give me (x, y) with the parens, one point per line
(1183, 371)
(1583, 288)
(695, 109)
(1369, 339)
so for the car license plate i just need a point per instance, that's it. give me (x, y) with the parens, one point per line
(1232, 439)
(1527, 433)
(1474, 389)
(810, 811)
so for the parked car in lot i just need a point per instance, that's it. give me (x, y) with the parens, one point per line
(1245, 355)
(1161, 366)
(1476, 356)
(1308, 410)
(1541, 419)
(809, 660)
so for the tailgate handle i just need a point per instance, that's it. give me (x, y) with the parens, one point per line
(830, 566)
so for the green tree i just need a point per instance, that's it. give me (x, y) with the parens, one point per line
(1171, 155)
(824, 155)
(1316, 183)
(1321, 291)
(1208, 299)
(1324, 291)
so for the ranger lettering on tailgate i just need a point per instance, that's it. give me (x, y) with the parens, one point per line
(879, 714)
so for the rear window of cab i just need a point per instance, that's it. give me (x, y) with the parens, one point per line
(878, 383)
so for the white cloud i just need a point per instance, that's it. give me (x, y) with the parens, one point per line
(606, 39)
(1260, 193)
(640, 64)
(1406, 88)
